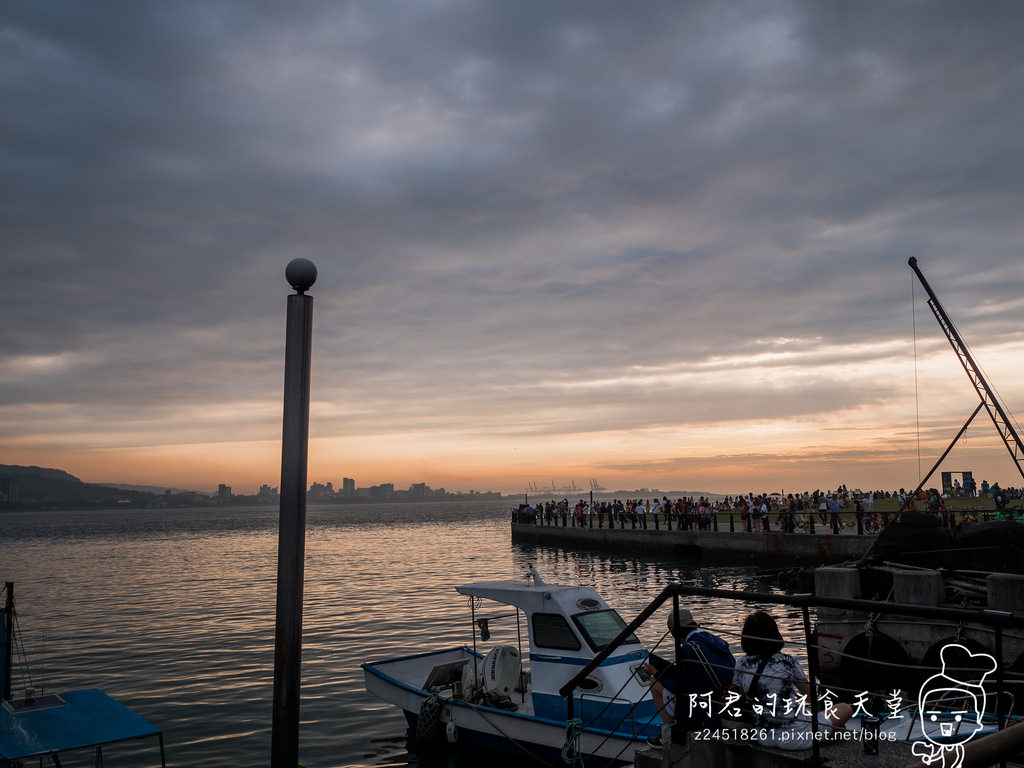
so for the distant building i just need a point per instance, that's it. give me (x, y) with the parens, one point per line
(267, 494)
(383, 491)
(321, 492)
(223, 493)
(348, 487)
(9, 490)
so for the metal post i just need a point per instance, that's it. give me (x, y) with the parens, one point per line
(1000, 680)
(8, 642)
(284, 747)
(812, 679)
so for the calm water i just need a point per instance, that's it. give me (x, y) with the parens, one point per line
(172, 613)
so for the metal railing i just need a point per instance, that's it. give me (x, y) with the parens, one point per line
(997, 620)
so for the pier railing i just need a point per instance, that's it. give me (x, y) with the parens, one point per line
(998, 621)
(734, 520)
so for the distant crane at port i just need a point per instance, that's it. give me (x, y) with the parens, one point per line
(1003, 423)
(534, 487)
(594, 485)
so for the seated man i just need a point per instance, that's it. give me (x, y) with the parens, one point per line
(705, 671)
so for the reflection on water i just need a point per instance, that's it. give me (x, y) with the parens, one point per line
(172, 613)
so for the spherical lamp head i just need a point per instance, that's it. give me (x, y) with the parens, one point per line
(300, 274)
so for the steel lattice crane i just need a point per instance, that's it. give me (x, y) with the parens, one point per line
(989, 401)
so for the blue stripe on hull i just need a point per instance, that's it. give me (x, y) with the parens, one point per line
(545, 754)
(619, 718)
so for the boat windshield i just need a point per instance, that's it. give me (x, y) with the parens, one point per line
(601, 627)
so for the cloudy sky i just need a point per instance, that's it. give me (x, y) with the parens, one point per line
(658, 244)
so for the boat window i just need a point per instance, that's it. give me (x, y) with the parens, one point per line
(601, 627)
(551, 630)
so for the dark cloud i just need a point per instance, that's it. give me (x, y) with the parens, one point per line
(498, 197)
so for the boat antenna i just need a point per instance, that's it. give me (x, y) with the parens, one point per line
(532, 573)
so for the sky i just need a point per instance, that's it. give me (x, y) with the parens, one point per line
(656, 244)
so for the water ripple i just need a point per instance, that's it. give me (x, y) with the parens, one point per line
(172, 612)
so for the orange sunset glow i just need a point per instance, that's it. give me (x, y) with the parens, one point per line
(666, 254)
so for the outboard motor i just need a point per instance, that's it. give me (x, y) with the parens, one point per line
(500, 670)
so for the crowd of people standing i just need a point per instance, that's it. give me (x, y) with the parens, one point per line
(790, 512)
(754, 511)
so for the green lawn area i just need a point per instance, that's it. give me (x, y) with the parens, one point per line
(954, 503)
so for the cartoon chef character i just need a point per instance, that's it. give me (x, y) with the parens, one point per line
(953, 704)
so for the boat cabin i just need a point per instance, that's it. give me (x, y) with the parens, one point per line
(566, 627)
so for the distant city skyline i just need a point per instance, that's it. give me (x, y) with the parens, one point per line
(663, 245)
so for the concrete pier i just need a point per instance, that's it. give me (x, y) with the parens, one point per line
(767, 549)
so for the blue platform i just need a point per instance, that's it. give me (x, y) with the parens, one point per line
(88, 719)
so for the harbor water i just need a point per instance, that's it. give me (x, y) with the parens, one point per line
(172, 613)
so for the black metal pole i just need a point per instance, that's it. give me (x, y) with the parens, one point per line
(812, 679)
(8, 640)
(1000, 679)
(284, 746)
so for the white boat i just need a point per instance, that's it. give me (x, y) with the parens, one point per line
(506, 699)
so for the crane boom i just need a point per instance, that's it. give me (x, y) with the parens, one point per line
(1004, 426)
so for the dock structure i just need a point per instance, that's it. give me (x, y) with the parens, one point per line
(734, 754)
(774, 548)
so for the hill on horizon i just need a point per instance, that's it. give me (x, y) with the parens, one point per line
(45, 486)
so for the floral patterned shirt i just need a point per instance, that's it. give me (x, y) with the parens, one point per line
(775, 690)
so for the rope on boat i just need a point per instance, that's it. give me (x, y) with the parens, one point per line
(483, 715)
(571, 753)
